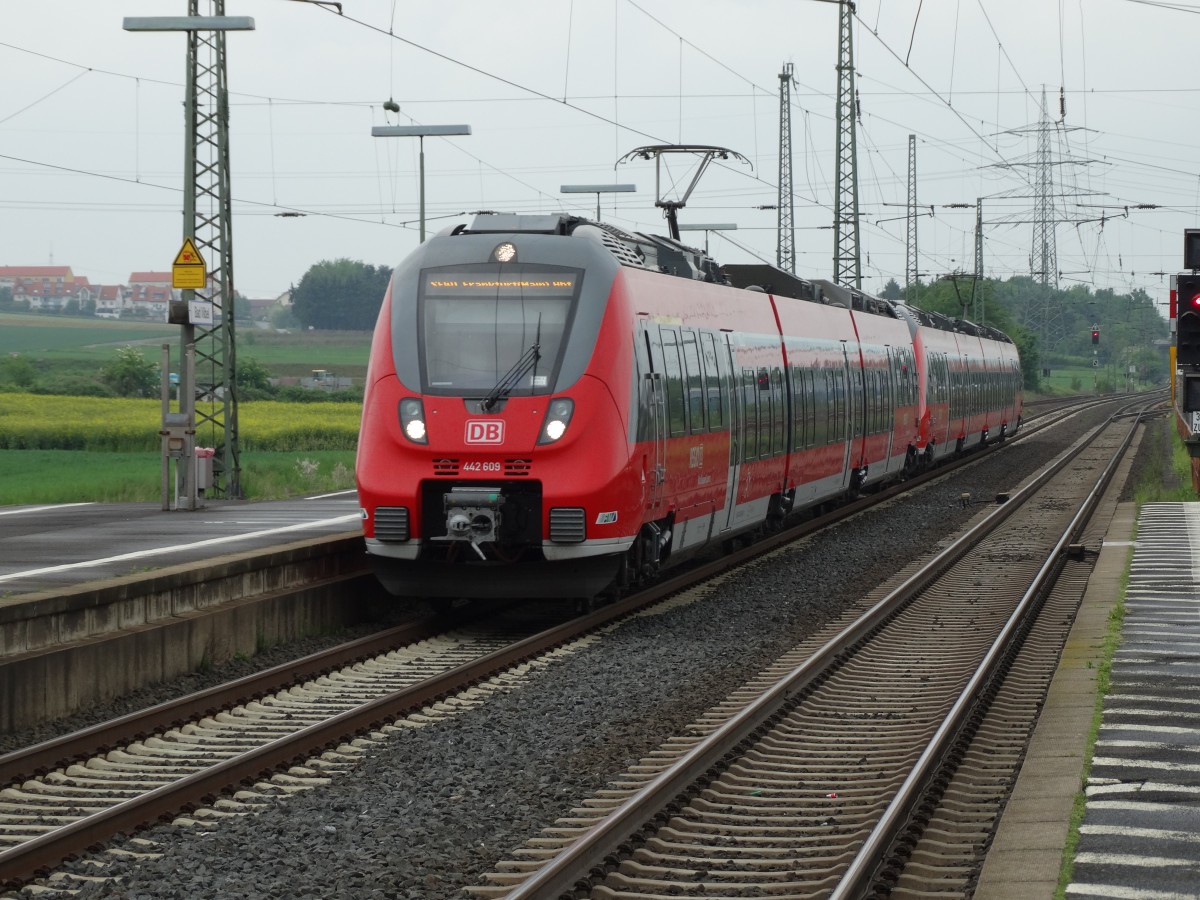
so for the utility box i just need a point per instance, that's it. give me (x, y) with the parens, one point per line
(177, 433)
(204, 467)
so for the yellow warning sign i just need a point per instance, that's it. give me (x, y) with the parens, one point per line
(188, 271)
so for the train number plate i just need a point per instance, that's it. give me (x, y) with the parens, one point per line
(481, 466)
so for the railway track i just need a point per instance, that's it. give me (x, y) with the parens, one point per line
(127, 784)
(827, 775)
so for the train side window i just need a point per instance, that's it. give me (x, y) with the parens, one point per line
(798, 420)
(810, 392)
(676, 410)
(778, 411)
(877, 394)
(839, 404)
(766, 412)
(750, 413)
(712, 382)
(695, 383)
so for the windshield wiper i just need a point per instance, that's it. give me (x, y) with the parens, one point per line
(528, 362)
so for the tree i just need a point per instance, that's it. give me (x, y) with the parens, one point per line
(131, 374)
(342, 294)
(253, 374)
(6, 297)
(891, 291)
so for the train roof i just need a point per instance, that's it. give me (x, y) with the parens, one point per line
(943, 322)
(658, 253)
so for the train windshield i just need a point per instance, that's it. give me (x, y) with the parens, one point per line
(480, 321)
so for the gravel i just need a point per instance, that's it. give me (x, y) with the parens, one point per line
(428, 812)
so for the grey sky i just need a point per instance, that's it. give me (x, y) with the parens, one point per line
(91, 131)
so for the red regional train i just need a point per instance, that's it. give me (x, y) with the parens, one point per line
(559, 408)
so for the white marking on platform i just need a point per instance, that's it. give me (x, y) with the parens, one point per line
(191, 545)
(29, 509)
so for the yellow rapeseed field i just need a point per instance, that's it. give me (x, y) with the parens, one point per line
(51, 422)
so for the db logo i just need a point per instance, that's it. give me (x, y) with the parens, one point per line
(488, 431)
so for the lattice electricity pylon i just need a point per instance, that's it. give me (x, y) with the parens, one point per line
(207, 214)
(910, 244)
(785, 255)
(1045, 253)
(847, 267)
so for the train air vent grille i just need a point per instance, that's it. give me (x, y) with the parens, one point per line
(517, 468)
(622, 252)
(445, 467)
(567, 525)
(391, 523)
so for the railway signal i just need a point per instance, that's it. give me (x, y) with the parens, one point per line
(1095, 334)
(1187, 329)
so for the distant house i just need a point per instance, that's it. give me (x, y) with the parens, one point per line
(110, 301)
(14, 275)
(42, 287)
(51, 296)
(148, 294)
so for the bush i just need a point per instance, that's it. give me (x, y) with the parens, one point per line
(131, 374)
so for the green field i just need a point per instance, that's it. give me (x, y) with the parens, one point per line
(62, 449)
(72, 345)
(75, 476)
(50, 337)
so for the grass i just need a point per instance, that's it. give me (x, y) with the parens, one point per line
(75, 476)
(1164, 482)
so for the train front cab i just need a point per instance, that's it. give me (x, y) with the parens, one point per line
(481, 470)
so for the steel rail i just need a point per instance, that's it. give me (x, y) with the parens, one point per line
(560, 875)
(66, 749)
(864, 870)
(24, 861)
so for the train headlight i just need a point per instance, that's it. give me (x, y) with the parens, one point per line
(558, 417)
(412, 420)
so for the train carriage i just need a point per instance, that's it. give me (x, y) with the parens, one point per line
(557, 407)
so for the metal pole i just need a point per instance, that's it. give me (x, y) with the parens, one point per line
(165, 389)
(421, 139)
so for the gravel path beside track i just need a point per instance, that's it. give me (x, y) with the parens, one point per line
(426, 813)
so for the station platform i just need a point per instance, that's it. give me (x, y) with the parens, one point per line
(1140, 835)
(55, 547)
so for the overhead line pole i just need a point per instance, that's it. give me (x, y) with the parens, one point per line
(847, 268)
(785, 256)
(206, 316)
(910, 253)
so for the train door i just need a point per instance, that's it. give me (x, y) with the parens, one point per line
(654, 401)
(731, 391)
(889, 403)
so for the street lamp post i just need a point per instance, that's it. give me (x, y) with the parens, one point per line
(420, 132)
(707, 227)
(598, 189)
